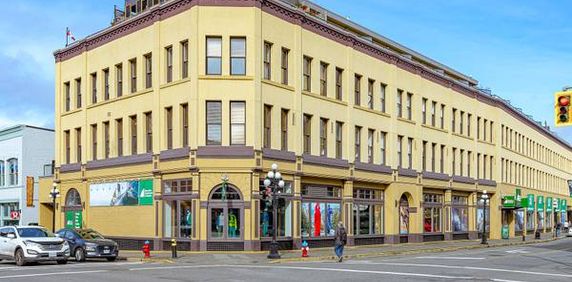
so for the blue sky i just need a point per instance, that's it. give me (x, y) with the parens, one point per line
(520, 49)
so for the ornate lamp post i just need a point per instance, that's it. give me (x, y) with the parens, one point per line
(54, 194)
(272, 182)
(484, 200)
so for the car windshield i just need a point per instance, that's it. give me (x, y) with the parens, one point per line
(89, 234)
(34, 232)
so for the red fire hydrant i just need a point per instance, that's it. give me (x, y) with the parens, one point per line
(147, 250)
(305, 249)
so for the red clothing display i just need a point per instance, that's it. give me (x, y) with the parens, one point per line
(317, 220)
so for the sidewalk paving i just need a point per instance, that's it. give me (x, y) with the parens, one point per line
(325, 253)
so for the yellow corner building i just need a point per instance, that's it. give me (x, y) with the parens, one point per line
(168, 121)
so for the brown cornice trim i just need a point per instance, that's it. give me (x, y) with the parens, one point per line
(120, 161)
(487, 182)
(324, 161)
(70, 167)
(180, 153)
(436, 176)
(373, 168)
(407, 172)
(225, 152)
(278, 155)
(463, 179)
(307, 22)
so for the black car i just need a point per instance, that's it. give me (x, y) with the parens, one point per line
(88, 243)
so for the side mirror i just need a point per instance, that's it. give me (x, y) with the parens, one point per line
(11, 236)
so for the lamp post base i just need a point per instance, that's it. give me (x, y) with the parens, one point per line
(273, 254)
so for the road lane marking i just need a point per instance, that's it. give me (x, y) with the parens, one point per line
(75, 265)
(460, 258)
(51, 274)
(310, 268)
(472, 268)
(519, 251)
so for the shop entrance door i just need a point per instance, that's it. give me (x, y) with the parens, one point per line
(225, 218)
(403, 215)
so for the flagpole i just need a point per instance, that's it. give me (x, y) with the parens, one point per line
(67, 35)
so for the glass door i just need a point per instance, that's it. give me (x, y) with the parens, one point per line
(225, 223)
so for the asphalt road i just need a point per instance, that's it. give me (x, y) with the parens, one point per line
(543, 262)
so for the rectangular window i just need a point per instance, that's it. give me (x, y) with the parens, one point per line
(133, 120)
(479, 128)
(323, 137)
(307, 73)
(454, 163)
(169, 63)
(106, 84)
(267, 135)
(78, 92)
(357, 142)
(94, 142)
(478, 166)
(214, 122)
(119, 125)
(462, 159)
(461, 122)
(78, 144)
(237, 56)
(433, 151)
(148, 71)
(469, 156)
(339, 83)
(94, 88)
(119, 80)
(370, 83)
(284, 129)
(399, 151)
(433, 109)
(149, 132)
(460, 211)
(284, 65)
(68, 97)
(133, 74)
(424, 111)
(424, 156)
(106, 139)
(491, 128)
(432, 213)
(185, 124)
(442, 116)
(267, 60)
(485, 129)
(307, 127)
(339, 139)
(185, 59)
(382, 96)
(67, 145)
(408, 105)
(214, 56)
(469, 117)
(442, 159)
(370, 134)
(357, 90)
(237, 123)
(383, 146)
(453, 119)
(169, 126)
(323, 79)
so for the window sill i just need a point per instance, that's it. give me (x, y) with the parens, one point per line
(380, 113)
(225, 77)
(486, 142)
(463, 136)
(435, 128)
(71, 112)
(124, 97)
(325, 98)
(406, 120)
(279, 85)
(173, 83)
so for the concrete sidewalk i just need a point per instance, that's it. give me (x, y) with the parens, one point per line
(324, 253)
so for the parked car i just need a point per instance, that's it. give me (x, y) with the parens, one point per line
(88, 243)
(25, 244)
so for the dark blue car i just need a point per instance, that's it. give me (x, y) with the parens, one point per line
(88, 243)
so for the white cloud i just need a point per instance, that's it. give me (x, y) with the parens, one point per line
(29, 117)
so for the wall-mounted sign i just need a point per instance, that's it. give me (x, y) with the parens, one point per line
(29, 191)
(74, 219)
(508, 201)
(530, 202)
(15, 215)
(540, 204)
(124, 193)
(548, 204)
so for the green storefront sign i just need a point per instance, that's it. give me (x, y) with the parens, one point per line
(146, 192)
(518, 198)
(548, 204)
(504, 232)
(563, 205)
(557, 207)
(540, 204)
(509, 202)
(74, 219)
(529, 202)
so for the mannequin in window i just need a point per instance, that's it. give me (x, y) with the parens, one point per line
(220, 223)
(186, 222)
(265, 222)
(232, 225)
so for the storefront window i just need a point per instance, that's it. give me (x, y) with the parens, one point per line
(217, 222)
(540, 219)
(530, 220)
(177, 186)
(321, 210)
(519, 221)
(403, 215)
(284, 216)
(225, 212)
(460, 212)
(432, 212)
(368, 212)
(233, 223)
(481, 213)
(178, 219)
(5, 217)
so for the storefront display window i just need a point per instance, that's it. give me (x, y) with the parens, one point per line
(178, 219)
(481, 213)
(5, 217)
(225, 213)
(432, 212)
(284, 220)
(403, 215)
(368, 212)
(460, 211)
(540, 219)
(321, 210)
(530, 220)
(519, 221)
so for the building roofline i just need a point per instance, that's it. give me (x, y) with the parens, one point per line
(21, 127)
(407, 59)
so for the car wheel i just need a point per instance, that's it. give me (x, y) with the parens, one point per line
(79, 255)
(64, 261)
(19, 258)
(111, 259)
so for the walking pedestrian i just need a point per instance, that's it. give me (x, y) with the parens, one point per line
(341, 240)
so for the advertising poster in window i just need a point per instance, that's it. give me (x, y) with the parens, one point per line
(124, 193)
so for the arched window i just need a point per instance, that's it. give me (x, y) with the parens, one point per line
(2, 173)
(13, 171)
(231, 193)
(73, 198)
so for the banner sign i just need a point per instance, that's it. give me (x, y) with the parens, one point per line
(530, 200)
(548, 204)
(540, 204)
(508, 201)
(124, 193)
(74, 219)
(29, 191)
(563, 206)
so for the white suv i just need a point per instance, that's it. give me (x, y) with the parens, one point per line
(25, 244)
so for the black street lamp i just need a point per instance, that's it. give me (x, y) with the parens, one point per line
(273, 182)
(484, 200)
(54, 194)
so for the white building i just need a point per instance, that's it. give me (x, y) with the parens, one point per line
(24, 151)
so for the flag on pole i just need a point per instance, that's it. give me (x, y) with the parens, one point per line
(68, 36)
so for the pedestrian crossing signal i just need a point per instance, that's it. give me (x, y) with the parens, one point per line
(562, 108)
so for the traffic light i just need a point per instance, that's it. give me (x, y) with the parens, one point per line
(562, 108)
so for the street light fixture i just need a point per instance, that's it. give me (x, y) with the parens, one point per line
(484, 200)
(54, 194)
(273, 182)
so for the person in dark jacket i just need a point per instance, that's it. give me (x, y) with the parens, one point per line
(341, 240)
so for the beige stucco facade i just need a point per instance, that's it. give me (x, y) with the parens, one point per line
(460, 162)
